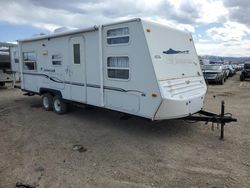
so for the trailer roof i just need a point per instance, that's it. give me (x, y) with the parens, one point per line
(93, 28)
(75, 31)
(7, 44)
(162, 25)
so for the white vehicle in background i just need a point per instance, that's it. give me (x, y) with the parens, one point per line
(5, 65)
(226, 69)
(134, 66)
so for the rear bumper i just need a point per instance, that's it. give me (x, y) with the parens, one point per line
(214, 80)
(4, 77)
(181, 98)
(173, 109)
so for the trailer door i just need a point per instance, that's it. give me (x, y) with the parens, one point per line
(77, 69)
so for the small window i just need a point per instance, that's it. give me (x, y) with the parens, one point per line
(56, 59)
(118, 36)
(29, 60)
(76, 52)
(118, 67)
(16, 58)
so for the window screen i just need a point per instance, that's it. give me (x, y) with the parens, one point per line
(118, 67)
(76, 52)
(29, 60)
(118, 36)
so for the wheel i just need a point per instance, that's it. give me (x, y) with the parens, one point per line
(59, 106)
(47, 100)
(242, 77)
(2, 84)
(222, 81)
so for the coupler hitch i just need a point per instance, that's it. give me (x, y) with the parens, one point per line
(221, 119)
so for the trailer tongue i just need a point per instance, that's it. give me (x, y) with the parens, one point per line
(221, 119)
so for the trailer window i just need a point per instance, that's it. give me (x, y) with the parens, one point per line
(29, 60)
(56, 59)
(118, 36)
(118, 67)
(76, 52)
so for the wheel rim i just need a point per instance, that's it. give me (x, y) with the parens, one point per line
(57, 105)
(46, 102)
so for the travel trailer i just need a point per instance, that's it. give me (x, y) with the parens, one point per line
(135, 66)
(5, 64)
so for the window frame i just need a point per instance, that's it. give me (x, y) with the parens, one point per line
(119, 68)
(27, 61)
(118, 44)
(73, 49)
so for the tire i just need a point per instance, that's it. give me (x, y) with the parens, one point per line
(242, 77)
(47, 101)
(222, 81)
(59, 106)
(2, 84)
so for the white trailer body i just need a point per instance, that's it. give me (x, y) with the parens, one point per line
(134, 66)
(14, 59)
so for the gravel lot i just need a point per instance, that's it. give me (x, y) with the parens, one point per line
(36, 146)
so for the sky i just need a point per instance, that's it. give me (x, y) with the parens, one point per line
(219, 27)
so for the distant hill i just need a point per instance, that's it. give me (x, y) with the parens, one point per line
(221, 58)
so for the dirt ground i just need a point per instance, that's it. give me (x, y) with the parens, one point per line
(36, 146)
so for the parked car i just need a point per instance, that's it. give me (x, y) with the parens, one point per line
(226, 70)
(232, 70)
(214, 73)
(239, 67)
(245, 73)
(235, 67)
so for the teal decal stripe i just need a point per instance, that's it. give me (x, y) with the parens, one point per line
(57, 80)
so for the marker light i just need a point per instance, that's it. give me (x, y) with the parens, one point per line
(154, 95)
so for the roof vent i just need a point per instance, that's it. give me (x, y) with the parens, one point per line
(38, 34)
(63, 29)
